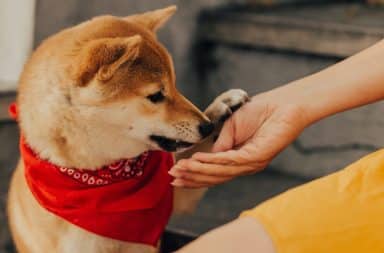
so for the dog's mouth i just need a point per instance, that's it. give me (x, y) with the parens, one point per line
(170, 145)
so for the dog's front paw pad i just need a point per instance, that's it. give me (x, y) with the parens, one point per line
(226, 104)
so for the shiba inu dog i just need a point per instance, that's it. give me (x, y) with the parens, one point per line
(99, 113)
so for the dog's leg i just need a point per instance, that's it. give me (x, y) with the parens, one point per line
(185, 200)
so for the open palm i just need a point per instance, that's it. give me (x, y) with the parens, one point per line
(249, 140)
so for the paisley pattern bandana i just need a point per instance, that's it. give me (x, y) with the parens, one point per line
(118, 171)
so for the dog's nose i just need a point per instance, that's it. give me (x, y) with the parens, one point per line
(206, 129)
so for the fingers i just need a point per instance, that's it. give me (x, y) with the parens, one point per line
(195, 174)
(217, 170)
(225, 140)
(187, 184)
(246, 155)
(188, 179)
(218, 158)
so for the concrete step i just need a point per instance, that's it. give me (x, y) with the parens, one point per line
(225, 202)
(327, 29)
(274, 2)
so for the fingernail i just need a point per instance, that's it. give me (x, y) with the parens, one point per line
(173, 171)
(176, 183)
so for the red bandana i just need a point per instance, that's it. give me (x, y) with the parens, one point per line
(130, 200)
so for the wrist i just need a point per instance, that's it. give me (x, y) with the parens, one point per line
(293, 98)
(315, 97)
(310, 100)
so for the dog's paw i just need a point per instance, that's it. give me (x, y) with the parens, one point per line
(226, 104)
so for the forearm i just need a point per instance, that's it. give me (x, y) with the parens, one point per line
(241, 235)
(356, 81)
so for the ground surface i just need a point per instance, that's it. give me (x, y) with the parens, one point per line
(225, 202)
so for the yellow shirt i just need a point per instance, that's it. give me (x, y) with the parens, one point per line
(341, 213)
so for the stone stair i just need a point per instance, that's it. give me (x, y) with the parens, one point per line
(335, 30)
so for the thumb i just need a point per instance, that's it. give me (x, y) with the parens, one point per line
(226, 139)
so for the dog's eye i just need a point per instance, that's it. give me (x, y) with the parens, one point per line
(156, 97)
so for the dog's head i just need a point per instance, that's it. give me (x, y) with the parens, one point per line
(120, 89)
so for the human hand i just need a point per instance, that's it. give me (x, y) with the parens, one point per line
(256, 133)
(249, 140)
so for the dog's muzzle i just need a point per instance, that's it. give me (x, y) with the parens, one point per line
(168, 144)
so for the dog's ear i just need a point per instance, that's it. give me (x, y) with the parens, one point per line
(102, 57)
(153, 20)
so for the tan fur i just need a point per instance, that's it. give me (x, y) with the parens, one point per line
(82, 103)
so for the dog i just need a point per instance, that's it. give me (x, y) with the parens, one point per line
(99, 115)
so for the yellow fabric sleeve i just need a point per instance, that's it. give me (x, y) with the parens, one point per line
(341, 213)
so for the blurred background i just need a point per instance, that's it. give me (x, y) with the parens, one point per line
(256, 45)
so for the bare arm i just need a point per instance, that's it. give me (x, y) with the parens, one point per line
(242, 235)
(356, 81)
